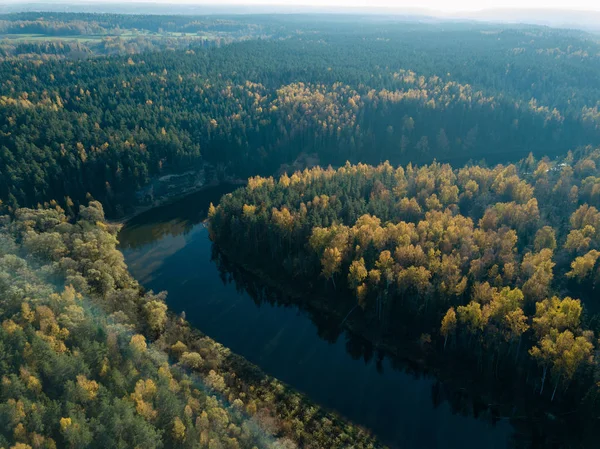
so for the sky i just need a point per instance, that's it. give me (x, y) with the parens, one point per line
(438, 5)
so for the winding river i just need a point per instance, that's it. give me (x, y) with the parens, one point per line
(168, 248)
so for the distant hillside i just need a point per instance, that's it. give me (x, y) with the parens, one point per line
(584, 20)
(579, 19)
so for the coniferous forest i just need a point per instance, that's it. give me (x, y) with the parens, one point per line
(434, 188)
(397, 92)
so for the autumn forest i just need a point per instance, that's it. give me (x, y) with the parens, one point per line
(431, 189)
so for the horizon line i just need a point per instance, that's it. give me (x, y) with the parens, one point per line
(304, 4)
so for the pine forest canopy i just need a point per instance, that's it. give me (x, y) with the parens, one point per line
(403, 92)
(458, 214)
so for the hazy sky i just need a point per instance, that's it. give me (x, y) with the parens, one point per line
(440, 5)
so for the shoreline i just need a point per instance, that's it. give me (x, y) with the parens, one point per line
(423, 355)
(170, 199)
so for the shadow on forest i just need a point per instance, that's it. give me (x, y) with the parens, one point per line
(463, 382)
(467, 386)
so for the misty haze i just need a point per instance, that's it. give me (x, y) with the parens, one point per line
(343, 225)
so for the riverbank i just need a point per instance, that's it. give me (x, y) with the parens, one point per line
(396, 388)
(179, 185)
(471, 386)
(275, 406)
(285, 415)
(169, 249)
(165, 200)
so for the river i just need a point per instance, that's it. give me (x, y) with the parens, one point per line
(168, 248)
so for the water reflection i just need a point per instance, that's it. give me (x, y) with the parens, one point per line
(171, 220)
(329, 328)
(168, 249)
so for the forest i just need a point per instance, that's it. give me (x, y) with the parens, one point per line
(52, 35)
(433, 187)
(105, 127)
(496, 265)
(91, 359)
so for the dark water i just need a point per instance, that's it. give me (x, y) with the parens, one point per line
(167, 248)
